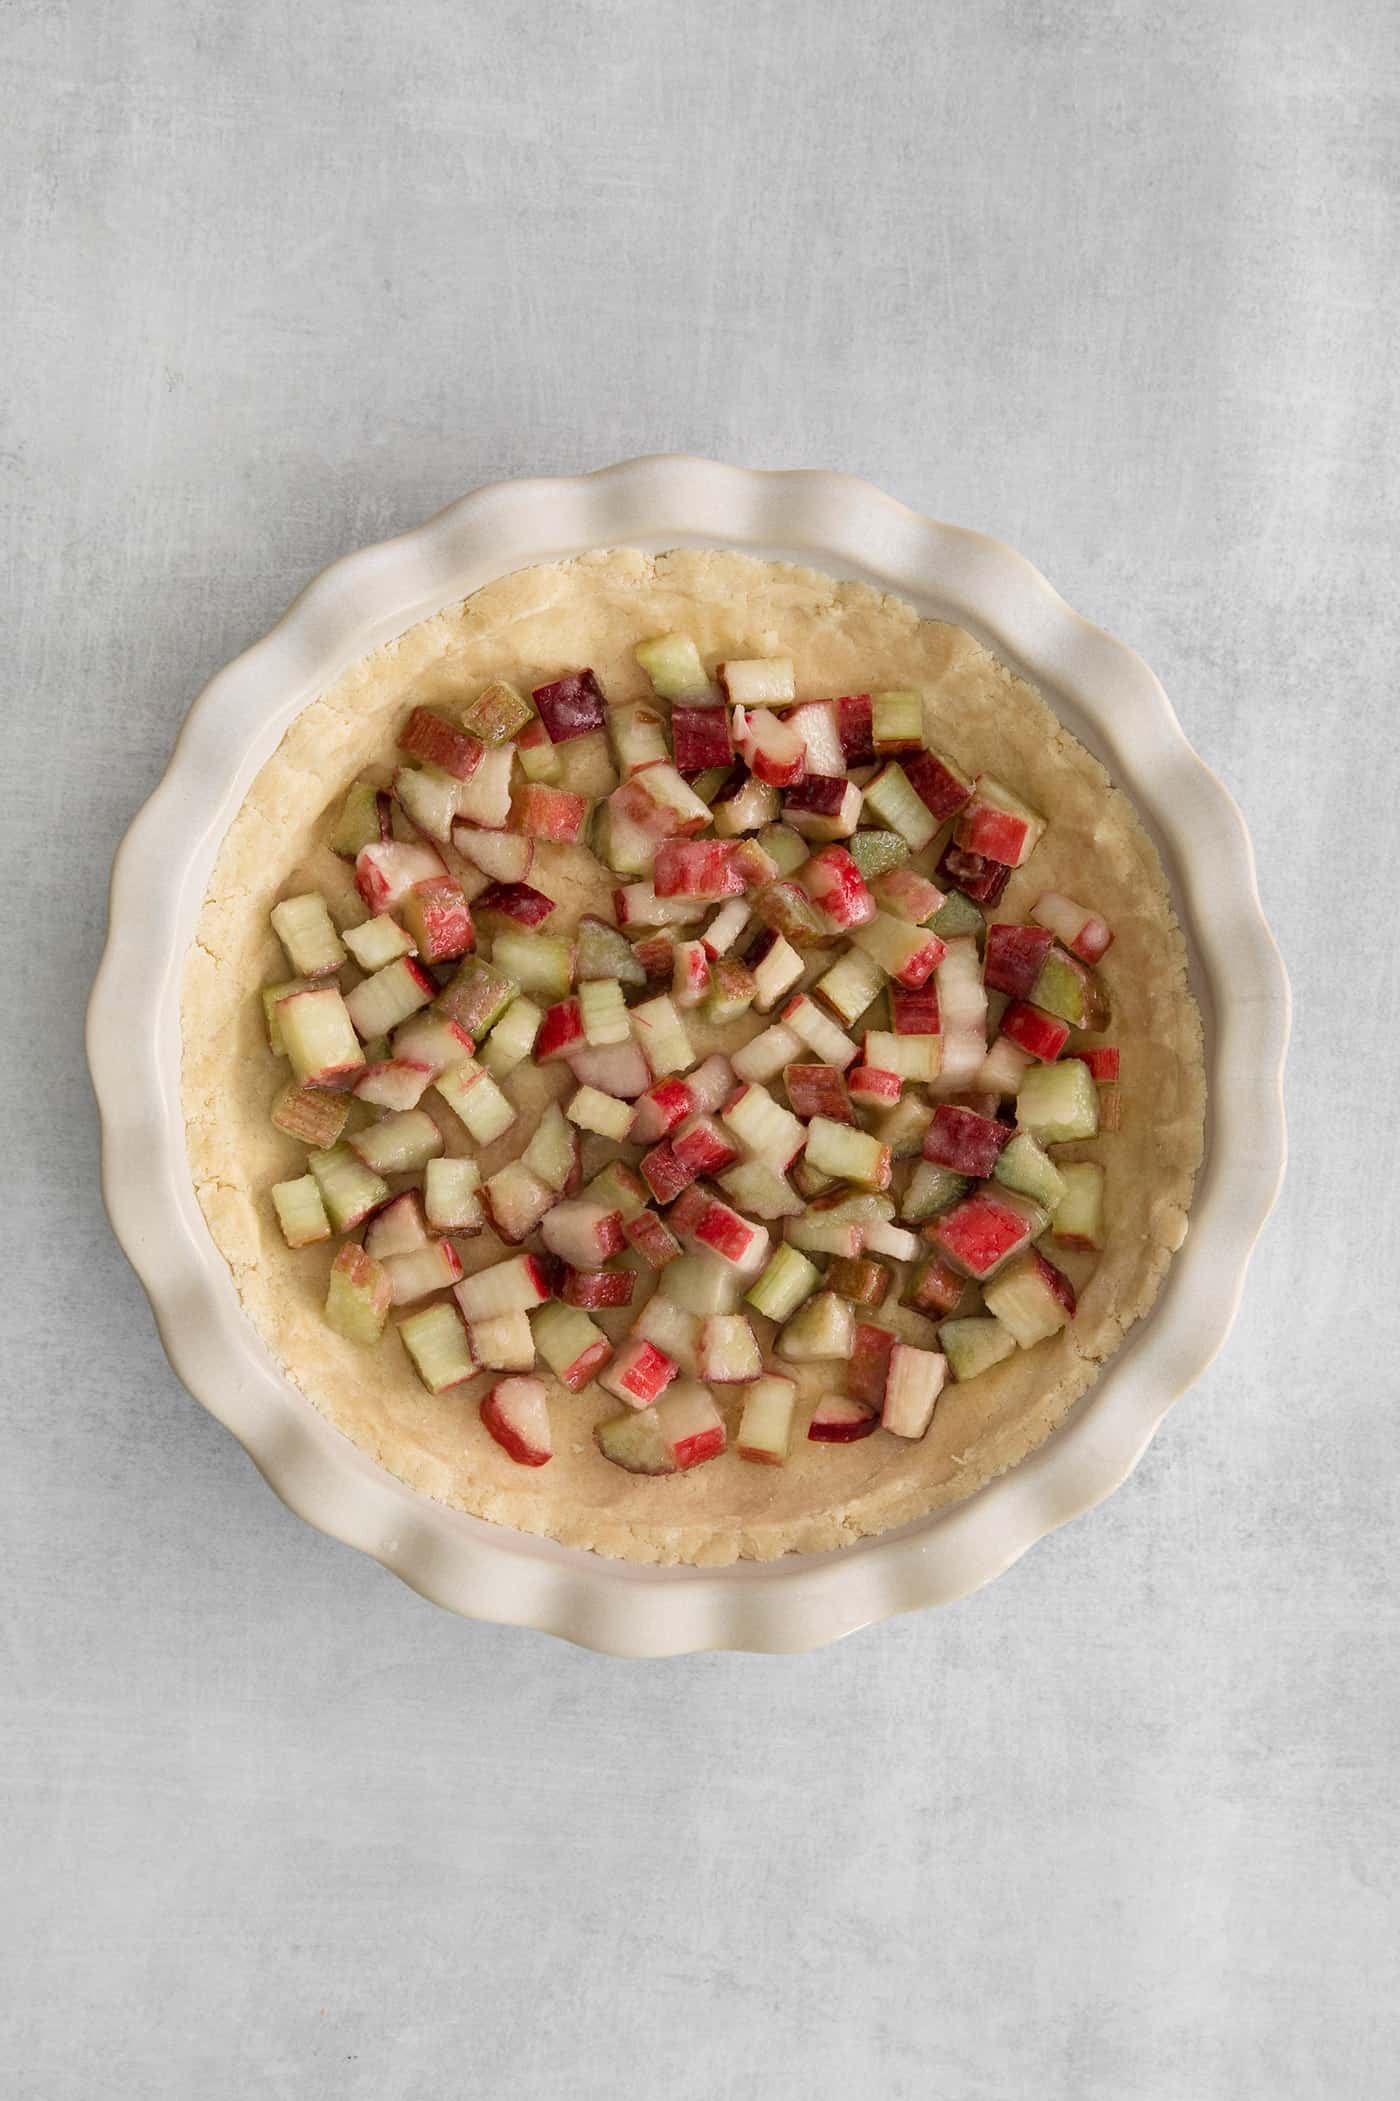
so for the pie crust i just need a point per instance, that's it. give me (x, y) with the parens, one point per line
(531, 627)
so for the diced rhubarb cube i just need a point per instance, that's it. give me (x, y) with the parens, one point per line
(854, 721)
(986, 1229)
(387, 869)
(518, 901)
(639, 1373)
(664, 1175)
(939, 786)
(591, 1288)
(874, 1088)
(696, 868)
(1013, 956)
(733, 1238)
(552, 814)
(700, 1146)
(823, 806)
(571, 706)
(963, 1141)
(438, 917)
(516, 1414)
(840, 1419)
(977, 877)
(691, 1424)
(1043, 1035)
(561, 1032)
(652, 1239)
(817, 1090)
(438, 742)
(869, 1363)
(700, 739)
(908, 896)
(770, 749)
(583, 1233)
(915, 1381)
(1083, 933)
(996, 825)
(935, 1289)
(915, 1013)
(837, 888)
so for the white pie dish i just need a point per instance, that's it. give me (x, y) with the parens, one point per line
(1106, 696)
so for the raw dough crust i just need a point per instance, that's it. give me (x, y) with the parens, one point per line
(532, 626)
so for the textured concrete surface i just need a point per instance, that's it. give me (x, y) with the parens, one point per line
(1108, 280)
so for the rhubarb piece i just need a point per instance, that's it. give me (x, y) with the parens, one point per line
(962, 1004)
(701, 1146)
(1077, 1219)
(1002, 1070)
(963, 1141)
(897, 723)
(817, 1234)
(603, 1013)
(438, 742)
(583, 1233)
(319, 1037)
(1025, 1166)
(520, 902)
(1041, 1035)
(820, 807)
(379, 1003)
(439, 920)
(652, 1239)
(760, 1191)
(300, 1211)
(517, 1285)
(725, 928)
(996, 825)
(784, 847)
(1103, 1063)
(661, 1033)
(664, 1175)
(768, 973)
(769, 748)
(728, 1351)
(699, 1282)
(474, 1098)
(700, 739)
(672, 663)
(386, 870)
(597, 1288)
(931, 1190)
(357, 1296)
(430, 799)
(506, 857)
(639, 1373)
(513, 1038)
(763, 1126)
(908, 1057)
(398, 1145)
(451, 1196)
(418, 1272)
(552, 1153)
(485, 799)
(912, 1388)
(636, 734)
(637, 905)
(602, 1113)
(822, 1328)
(552, 814)
(742, 803)
(895, 803)
(700, 868)
(817, 1090)
(873, 1086)
(904, 1127)
(310, 1115)
(820, 1034)
(307, 933)
(573, 1348)
(956, 916)
(1013, 959)
(438, 1345)
(837, 1419)
(1083, 933)
(690, 975)
(974, 1345)
(788, 1279)
(848, 1154)
(517, 1200)
(875, 852)
(560, 1032)
(505, 1343)
(854, 721)
(934, 1289)
(432, 1040)
(764, 1056)
(885, 1239)
(753, 682)
(1069, 989)
(837, 887)
(377, 942)
(986, 1229)
(853, 982)
(915, 1013)
(765, 1427)
(571, 706)
(817, 724)
(1058, 1103)
(516, 1413)
(272, 998)
(616, 1188)
(476, 997)
(1032, 1299)
(636, 1442)
(808, 1182)
(909, 954)
(358, 823)
(660, 803)
(349, 1189)
(498, 714)
(691, 1424)
(907, 896)
(541, 965)
(864, 1283)
(869, 1365)
(980, 881)
(938, 784)
(659, 1109)
(538, 759)
(671, 1328)
(734, 1239)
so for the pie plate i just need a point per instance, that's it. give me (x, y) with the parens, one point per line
(1109, 699)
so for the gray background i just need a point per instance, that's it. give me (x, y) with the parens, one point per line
(1108, 281)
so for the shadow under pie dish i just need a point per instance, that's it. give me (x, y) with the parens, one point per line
(538, 628)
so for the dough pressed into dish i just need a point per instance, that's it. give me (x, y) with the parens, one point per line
(844, 637)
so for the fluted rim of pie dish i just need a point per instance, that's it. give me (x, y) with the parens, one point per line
(1104, 693)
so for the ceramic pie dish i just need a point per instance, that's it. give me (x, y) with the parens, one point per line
(1102, 694)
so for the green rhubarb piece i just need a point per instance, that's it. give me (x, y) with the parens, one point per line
(605, 953)
(823, 1328)
(358, 823)
(619, 1188)
(1062, 988)
(635, 1440)
(791, 913)
(975, 1344)
(357, 1295)
(959, 915)
(271, 994)
(708, 784)
(498, 714)
(788, 1279)
(850, 986)
(312, 1115)
(931, 1190)
(349, 1189)
(1025, 1165)
(672, 663)
(732, 990)
(542, 965)
(437, 1342)
(892, 797)
(897, 721)
(1058, 1103)
(300, 1211)
(785, 846)
(876, 852)
(1077, 1219)
(476, 996)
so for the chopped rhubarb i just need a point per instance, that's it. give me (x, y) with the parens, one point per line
(592, 1288)
(963, 1141)
(438, 742)
(838, 1419)
(552, 814)
(700, 739)
(817, 1090)
(652, 1239)
(518, 901)
(986, 1229)
(938, 784)
(639, 1373)
(854, 718)
(837, 887)
(571, 706)
(978, 878)
(516, 1414)
(437, 916)
(996, 826)
(696, 868)
(1043, 1035)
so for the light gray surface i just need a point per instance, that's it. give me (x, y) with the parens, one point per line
(1106, 281)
